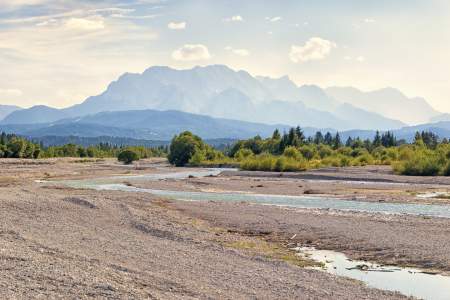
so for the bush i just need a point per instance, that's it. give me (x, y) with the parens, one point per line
(292, 152)
(183, 148)
(325, 151)
(127, 156)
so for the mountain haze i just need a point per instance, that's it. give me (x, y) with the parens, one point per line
(7, 109)
(388, 102)
(221, 92)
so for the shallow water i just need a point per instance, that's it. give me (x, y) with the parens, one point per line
(408, 281)
(293, 201)
(119, 184)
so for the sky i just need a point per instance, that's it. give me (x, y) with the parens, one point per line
(60, 52)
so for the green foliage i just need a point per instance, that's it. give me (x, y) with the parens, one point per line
(127, 156)
(325, 151)
(184, 147)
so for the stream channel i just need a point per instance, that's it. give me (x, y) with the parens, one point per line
(409, 281)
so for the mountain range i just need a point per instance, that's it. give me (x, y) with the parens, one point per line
(216, 101)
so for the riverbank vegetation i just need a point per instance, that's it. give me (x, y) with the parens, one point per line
(291, 151)
(426, 156)
(12, 146)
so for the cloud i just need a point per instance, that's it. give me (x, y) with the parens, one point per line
(293, 25)
(191, 52)
(360, 58)
(269, 32)
(306, 23)
(347, 58)
(84, 24)
(234, 18)
(241, 52)
(11, 92)
(133, 17)
(315, 48)
(275, 19)
(51, 22)
(370, 21)
(181, 25)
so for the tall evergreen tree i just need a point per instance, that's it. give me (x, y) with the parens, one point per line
(318, 139)
(299, 134)
(337, 141)
(349, 141)
(328, 139)
(276, 135)
(377, 140)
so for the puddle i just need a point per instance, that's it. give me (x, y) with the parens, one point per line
(408, 281)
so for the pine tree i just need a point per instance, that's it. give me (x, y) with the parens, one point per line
(276, 135)
(318, 139)
(377, 140)
(337, 141)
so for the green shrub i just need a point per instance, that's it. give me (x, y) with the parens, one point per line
(325, 151)
(127, 156)
(292, 152)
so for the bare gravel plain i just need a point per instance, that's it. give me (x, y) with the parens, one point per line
(58, 242)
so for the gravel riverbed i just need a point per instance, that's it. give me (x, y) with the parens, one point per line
(61, 242)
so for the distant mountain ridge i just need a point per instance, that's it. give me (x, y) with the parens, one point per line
(220, 92)
(149, 125)
(388, 102)
(216, 101)
(7, 109)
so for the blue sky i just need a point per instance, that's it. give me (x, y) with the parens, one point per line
(59, 52)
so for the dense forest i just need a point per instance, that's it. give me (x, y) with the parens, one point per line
(12, 146)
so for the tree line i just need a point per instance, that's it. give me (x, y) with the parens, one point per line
(291, 151)
(12, 146)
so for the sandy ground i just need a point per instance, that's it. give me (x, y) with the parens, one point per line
(60, 242)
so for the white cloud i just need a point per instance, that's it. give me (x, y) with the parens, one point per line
(228, 48)
(269, 32)
(85, 24)
(360, 58)
(133, 17)
(234, 18)
(306, 23)
(275, 19)
(11, 92)
(181, 25)
(191, 52)
(293, 25)
(241, 52)
(315, 48)
(347, 58)
(51, 22)
(370, 21)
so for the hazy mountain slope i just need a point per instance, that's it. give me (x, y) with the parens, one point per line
(34, 115)
(220, 92)
(366, 120)
(7, 109)
(388, 102)
(440, 118)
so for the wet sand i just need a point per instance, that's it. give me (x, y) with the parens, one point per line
(60, 242)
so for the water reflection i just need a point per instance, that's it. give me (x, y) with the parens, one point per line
(408, 281)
